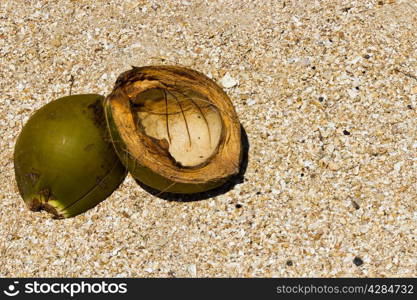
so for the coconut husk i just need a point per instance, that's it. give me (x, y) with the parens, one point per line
(174, 128)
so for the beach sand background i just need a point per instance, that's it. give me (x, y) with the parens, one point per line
(326, 91)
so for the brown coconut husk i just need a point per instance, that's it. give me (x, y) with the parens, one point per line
(174, 128)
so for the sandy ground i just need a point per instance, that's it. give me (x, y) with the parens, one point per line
(326, 91)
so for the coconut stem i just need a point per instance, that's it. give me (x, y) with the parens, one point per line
(40, 202)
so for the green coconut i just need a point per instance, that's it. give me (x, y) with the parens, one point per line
(174, 129)
(64, 161)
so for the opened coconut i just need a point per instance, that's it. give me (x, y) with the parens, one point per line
(174, 129)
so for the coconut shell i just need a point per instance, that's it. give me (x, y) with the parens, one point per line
(174, 129)
(64, 160)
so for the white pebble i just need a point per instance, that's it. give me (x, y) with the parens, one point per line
(353, 93)
(251, 102)
(20, 86)
(228, 81)
(276, 192)
(398, 165)
(192, 269)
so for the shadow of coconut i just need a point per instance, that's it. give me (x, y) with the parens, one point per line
(227, 186)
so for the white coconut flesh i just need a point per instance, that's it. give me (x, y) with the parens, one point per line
(185, 123)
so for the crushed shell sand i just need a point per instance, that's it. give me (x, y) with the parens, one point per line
(326, 91)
